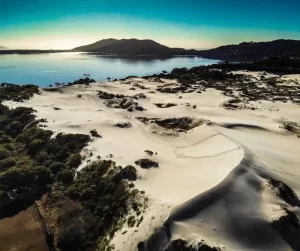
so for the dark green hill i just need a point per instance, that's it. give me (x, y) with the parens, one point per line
(254, 51)
(129, 47)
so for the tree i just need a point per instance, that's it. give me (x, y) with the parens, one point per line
(74, 161)
(3, 153)
(77, 228)
(65, 176)
(56, 167)
(35, 146)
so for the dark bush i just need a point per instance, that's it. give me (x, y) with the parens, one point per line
(185, 76)
(95, 134)
(56, 167)
(8, 147)
(127, 173)
(22, 178)
(3, 153)
(33, 133)
(15, 128)
(17, 93)
(106, 196)
(5, 139)
(77, 228)
(63, 153)
(35, 146)
(146, 163)
(42, 158)
(8, 162)
(64, 144)
(19, 111)
(182, 245)
(74, 160)
(65, 176)
(3, 109)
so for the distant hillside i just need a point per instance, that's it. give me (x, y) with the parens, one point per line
(129, 47)
(254, 51)
(247, 51)
(96, 46)
(243, 52)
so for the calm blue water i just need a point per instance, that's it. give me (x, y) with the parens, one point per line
(46, 69)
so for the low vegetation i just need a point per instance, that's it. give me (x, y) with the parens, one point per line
(292, 127)
(17, 93)
(35, 166)
(30, 160)
(288, 227)
(81, 81)
(284, 192)
(182, 245)
(146, 163)
(237, 86)
(177, 124)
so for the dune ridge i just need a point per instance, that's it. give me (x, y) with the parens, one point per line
(190, 217)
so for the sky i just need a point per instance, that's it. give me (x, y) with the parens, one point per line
(199, 24)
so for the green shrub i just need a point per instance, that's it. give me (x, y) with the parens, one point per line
(14, 120)
(19, 111)
(74, 143)
(17, 93)
(131, 221)
(56, 167)
(74, 191)
(42, 158)
(63, 145)
(3, 153)
(35, 146)
(21, 179)
(127, 173)
(15, 128)
(9, 147)
(8, 162)
(5, 139)
(3, 109)
(74, 160)
(2, 194)
(63, 154)
(106, 196)
(77, 228)
(33, 133)
(185, 76)
(16, 124)
(65, 176)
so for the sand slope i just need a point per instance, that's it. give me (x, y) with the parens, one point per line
(212, 181)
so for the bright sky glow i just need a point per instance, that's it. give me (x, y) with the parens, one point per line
(57, 24)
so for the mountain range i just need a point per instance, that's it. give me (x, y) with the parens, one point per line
(247, 51)
(243, 52)
(254, 51)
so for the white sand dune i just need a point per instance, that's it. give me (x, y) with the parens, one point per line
(212, 182)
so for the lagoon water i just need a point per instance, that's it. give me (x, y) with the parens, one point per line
(46, 69)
